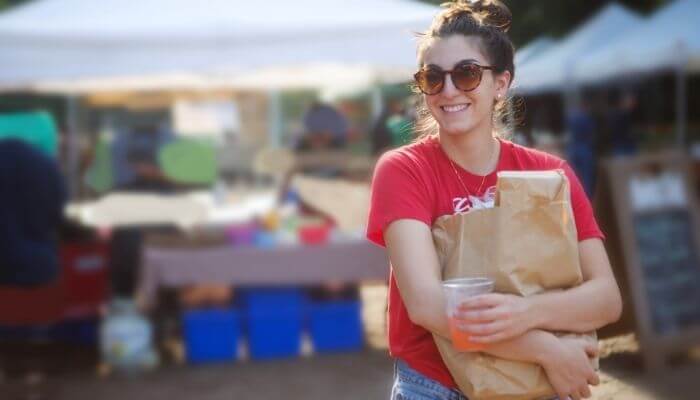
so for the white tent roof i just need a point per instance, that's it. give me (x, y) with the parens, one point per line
(308, 76)
(59, 40)
(552, 69)
(669, 38)
(532, 49)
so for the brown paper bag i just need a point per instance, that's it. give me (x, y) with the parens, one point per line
(527, 244)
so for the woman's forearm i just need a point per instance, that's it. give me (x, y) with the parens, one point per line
(533, 346)
(431, 315)
(529, 347)
(584, 308)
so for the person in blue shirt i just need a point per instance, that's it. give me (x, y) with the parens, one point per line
(32, 198)
(135, 159)
(581, 127)
(620, 118)
(325, 128)
(136, 169)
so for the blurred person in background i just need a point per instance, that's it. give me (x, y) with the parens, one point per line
(31, 208)
(622, 140)
(135, 159)
(393, 128)
(136, 168)
(466, 68)
(581, 127)
(32, 198)
(325, 128)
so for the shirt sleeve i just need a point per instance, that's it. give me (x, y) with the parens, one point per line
(586, 224)
(398, 192)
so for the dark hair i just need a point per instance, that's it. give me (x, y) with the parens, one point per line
(489, 20)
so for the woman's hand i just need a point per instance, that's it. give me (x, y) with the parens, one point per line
(569, 369)
(494, 317)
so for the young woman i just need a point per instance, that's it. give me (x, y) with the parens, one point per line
(466, 68)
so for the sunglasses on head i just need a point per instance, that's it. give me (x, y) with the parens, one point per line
(466, 76)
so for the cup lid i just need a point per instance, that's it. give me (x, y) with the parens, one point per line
(468, 282)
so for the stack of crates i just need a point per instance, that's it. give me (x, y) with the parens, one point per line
(274, 321)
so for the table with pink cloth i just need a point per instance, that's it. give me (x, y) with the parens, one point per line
(347, 262)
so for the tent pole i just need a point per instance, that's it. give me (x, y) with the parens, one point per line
(274, 118)
(72, 106)
(376, 101)
(681, 106)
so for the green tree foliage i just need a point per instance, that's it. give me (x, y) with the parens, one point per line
(4, 4)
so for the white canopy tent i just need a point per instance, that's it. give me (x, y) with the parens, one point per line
(65, 40)
(76, 47)
(532, 49)
(303, 76)
(552, 69)
(670, 38)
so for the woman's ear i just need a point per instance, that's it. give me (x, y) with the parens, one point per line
(502, 84)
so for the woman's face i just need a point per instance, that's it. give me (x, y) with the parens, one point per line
(458, 112)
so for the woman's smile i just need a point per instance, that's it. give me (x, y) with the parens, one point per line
(455, 108)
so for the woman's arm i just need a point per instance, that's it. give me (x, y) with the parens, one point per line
(589, 306)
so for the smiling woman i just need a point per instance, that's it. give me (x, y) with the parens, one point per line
(465, 70)
(472, 39)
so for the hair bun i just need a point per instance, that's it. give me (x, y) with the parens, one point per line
(496, 13)
(488, 12)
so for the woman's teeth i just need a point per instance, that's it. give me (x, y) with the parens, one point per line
(455, 108)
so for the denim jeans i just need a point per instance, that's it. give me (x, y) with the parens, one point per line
(410, 384)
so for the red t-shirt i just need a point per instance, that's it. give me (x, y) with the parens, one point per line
(418, 182)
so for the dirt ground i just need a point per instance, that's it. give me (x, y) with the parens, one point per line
(72, 374)
(364, 375)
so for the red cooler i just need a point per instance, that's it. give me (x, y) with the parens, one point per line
(86, 277)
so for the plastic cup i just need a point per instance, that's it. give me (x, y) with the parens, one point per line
(456, 292)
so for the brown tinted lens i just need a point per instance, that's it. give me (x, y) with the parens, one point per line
(430, 81)
(466, 77)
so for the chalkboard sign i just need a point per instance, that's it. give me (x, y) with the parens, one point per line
(669, 263)
(656, 230)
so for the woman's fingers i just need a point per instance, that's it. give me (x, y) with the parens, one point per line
(495, 338)
(486, 333)
(591, 350)
(585, 392)
(481, 329)
(594, 379)
(482, 315)
(482, 301)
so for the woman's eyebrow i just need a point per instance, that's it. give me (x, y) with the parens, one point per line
(465, 61)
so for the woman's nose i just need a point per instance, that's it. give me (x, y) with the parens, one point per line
(449, 88)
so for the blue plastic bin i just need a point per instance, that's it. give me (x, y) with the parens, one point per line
(274, 322)
(336, 326)
(211, 335)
